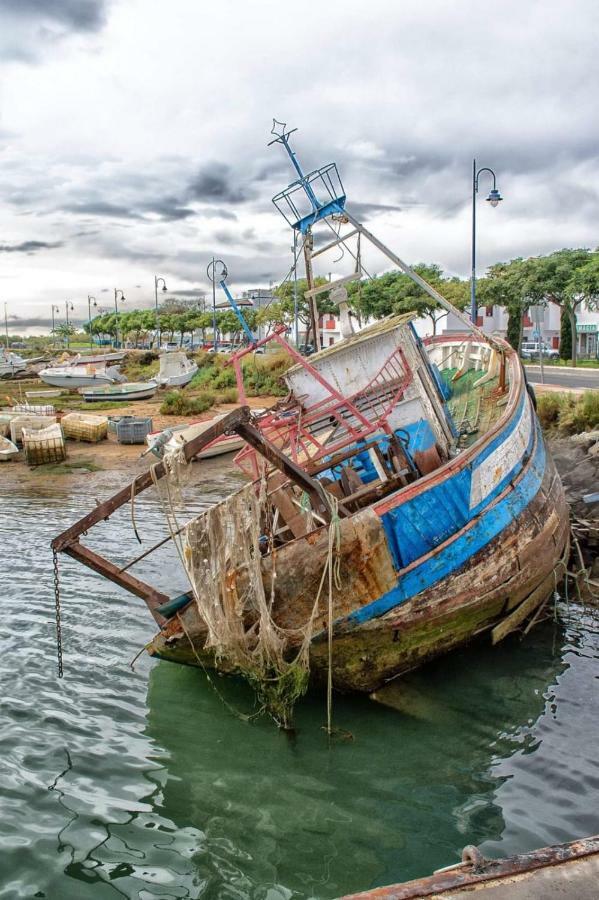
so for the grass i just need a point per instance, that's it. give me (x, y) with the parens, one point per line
(140, 366)
(66, 468)
(177, 403)
(568, 413)
(580, 363)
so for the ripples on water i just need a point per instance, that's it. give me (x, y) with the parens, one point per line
(141, 784)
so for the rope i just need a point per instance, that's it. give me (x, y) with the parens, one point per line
(135, 531)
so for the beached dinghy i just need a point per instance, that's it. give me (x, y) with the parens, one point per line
(401, 501)
(8, 450)
(77, 376)
(134, 390)
(11, 364)
(175, 369)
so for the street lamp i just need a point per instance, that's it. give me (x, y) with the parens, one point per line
(54, 309)
(117, 291)
(157, 280)
(493, 199)
(68, 305)
(91, 301)
(6, 323)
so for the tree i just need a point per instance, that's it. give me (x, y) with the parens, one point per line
(554, 278)
(65, 331)
(395, 292)
(565, 336)
(505, 286)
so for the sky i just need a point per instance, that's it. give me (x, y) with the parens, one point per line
(133, 136)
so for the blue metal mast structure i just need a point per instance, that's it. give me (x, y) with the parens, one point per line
(320, 194)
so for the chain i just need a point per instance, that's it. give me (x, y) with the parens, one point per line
(57, 605)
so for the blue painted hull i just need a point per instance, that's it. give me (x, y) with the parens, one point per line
(470, 546)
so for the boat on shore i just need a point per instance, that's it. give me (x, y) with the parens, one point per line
(176, 369)
(72, 377)
(550, 873)
(133, 390)
(400, 502)
(8, 450)
(11, 364)
(175, 437)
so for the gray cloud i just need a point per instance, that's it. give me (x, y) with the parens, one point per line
(77, 15)
(29, 247)
(214, 182)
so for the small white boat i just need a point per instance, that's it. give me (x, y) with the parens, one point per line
(71, 377)
(135, 390)
(84, 359)
(8, 450)
(41, 393)
(176, 369)
(11, 364)
(180, 434)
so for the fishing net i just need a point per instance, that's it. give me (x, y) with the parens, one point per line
(221, 554)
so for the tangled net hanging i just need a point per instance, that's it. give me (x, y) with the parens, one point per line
(221, 553)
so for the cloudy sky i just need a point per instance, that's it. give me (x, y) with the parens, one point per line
(133, 135)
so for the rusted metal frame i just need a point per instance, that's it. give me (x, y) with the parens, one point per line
(315, 469)
(150, 595)
(289, 468)
(333, 244)
(239, 380)
(229, 423)
(468, 874)
(273, 336)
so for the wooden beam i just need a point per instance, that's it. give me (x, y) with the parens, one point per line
(331, 285)
(340, 240)
(150, 595)
(104, 510)
(292, 470)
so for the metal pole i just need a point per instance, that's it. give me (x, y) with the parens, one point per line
(53, 323)
(68, 337)
(214, 340)
(89, 318)
(158, 335)
(473, 276)
(295, 303)
(537, 317)
(6, 323)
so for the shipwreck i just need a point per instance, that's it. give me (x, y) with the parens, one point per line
(400, 500)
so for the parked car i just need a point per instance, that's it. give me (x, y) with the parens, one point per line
(170, 345)
(306, 349)
(530, 350)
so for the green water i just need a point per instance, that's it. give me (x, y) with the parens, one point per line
(143, 784)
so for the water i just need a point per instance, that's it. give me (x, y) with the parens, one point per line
(142, 784)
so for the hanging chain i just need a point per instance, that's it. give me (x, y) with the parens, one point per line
(57, 605)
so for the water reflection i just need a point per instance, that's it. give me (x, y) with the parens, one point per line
(122, 784)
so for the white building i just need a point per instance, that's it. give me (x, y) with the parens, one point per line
(493, 320)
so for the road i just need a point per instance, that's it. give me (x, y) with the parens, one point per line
(569, 379)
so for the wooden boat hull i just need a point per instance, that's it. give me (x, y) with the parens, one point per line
(74, 380)
(492, 527)
(511, 575)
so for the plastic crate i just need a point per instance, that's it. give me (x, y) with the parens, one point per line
(44, 445)
(81, 427)
(133, 430)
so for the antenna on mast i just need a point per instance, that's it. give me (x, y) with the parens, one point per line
(310, 197)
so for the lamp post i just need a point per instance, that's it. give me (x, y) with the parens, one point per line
(211, 270)
(6, 323)
(117, 291)
(91, 301)
(157, 280)
(68, 305)
(54, 309)
(494, 198)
